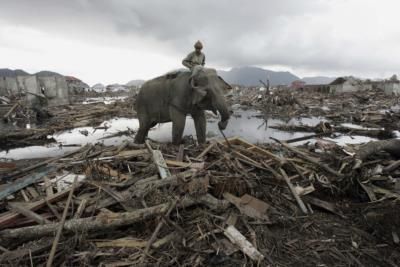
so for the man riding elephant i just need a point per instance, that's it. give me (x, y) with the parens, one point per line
(195, 58)
(164, 99)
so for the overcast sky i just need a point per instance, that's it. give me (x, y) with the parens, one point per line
(119, 40)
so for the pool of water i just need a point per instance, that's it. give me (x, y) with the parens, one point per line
(248, 124)
(106, 99)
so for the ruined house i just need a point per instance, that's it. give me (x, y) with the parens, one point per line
(29, 87)
(391, 87)
(345, 85)
(298, 84)
(76, 86)
(318, 88)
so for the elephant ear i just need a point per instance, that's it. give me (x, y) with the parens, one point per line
(226, 85)
(198, 95)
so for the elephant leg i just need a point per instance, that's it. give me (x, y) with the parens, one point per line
(144, 127)
(178, 125)
(200, 124)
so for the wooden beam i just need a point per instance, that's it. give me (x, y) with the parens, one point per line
(28, 213)
(48, 186)
(24, 182)
(9, 217)
(293, 190)
(159, 161)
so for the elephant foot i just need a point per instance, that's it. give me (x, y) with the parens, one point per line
(177, 143)
(140, 137)
(201, 140)
(138, 141)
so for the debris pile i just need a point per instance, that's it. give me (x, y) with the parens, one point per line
(228, 203)
(62, 118)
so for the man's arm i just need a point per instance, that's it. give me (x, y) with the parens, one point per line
(187, 61)
(204, 60)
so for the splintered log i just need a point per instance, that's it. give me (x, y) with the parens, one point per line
(392, 146)
(97, 223)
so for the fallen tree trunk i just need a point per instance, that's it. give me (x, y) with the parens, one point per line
(392, 146)
(100, 222)
(140, 188)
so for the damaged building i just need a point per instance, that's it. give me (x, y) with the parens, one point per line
(76, 86)
(53, 87)
(348, 85)
(391, 87)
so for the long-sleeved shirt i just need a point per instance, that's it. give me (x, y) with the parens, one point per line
(194, 59)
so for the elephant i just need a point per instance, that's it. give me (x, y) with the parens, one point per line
(173, 96)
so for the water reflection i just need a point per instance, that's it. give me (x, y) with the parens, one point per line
(248, 124)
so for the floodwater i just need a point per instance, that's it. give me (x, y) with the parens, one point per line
(248, 124)
(106, 99)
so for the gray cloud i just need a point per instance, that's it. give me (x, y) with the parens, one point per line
(310, 35)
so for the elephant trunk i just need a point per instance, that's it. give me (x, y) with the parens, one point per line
(223, 110)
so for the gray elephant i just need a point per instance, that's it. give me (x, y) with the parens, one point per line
(173, 96)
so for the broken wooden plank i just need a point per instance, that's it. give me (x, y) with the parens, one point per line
(159, 161)
(205, 151)
(48, 186)
(81, 208)
(192, 165)
(240, 240)
(24, 182)
(368, 190)
(28, 213)
(9, 217)
(32, 191)
(324, 205)
(383, 191)
(294, 192)
(249, 206)
(298, 139)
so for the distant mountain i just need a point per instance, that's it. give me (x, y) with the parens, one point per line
(318, 80)
(99, 87)
(250, 76)
(46, 73)
(12, 73)
(135, 83)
